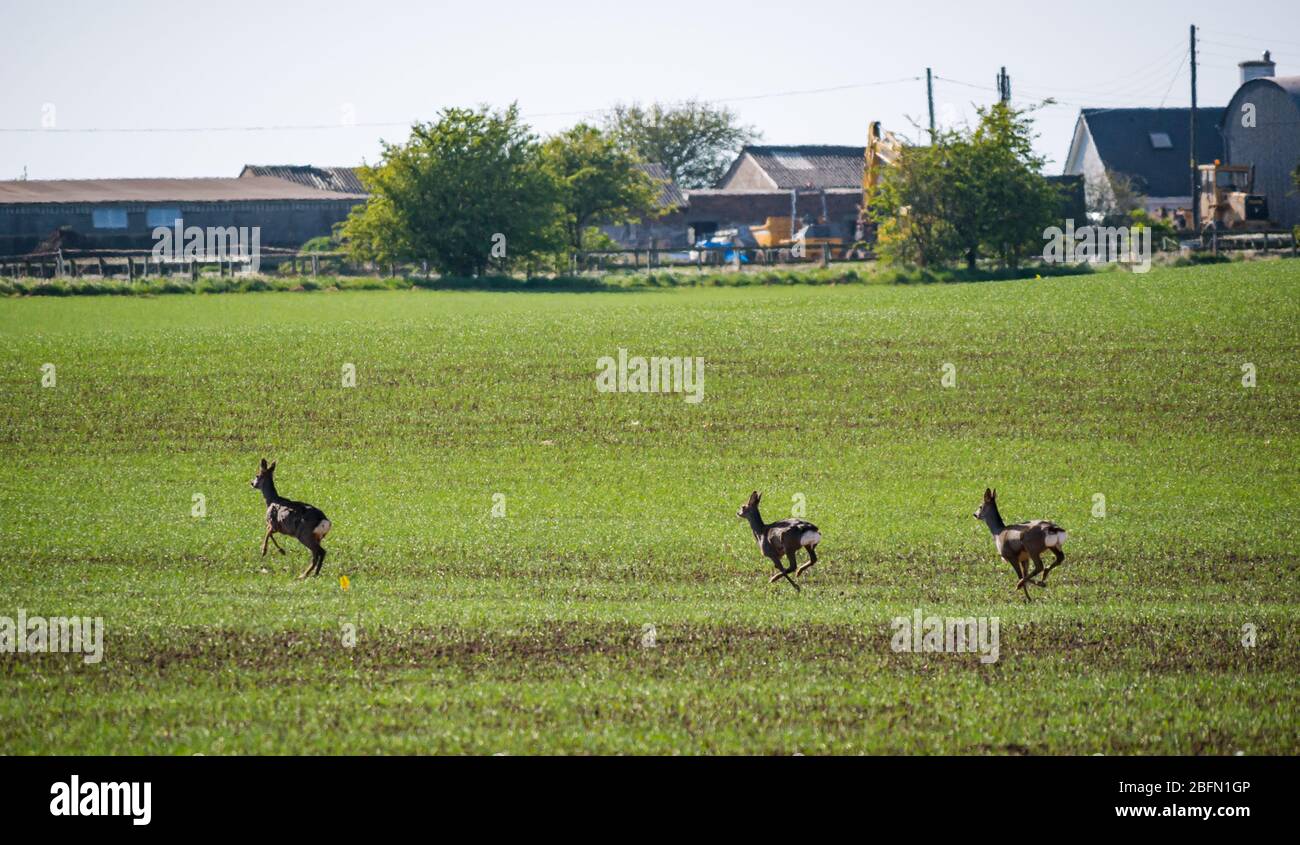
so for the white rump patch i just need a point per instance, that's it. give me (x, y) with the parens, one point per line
(321, 530)
(1056, 540)
(810, 538)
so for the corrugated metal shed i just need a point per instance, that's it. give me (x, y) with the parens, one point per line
(670, 196)
(802, 166)
(1270, 144)
(59, 191)
(341, 179)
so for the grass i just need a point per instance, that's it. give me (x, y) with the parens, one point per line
(522, 633)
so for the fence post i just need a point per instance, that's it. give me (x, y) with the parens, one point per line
(130, 269)
(315, 265)
(194, 271)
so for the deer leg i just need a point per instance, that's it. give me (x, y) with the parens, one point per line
(269, 532)
(315, 550)
(276, 543)
(812, 558)
(320, 559)
(782, 573)
(1022, 569)
(1038, 567)
(1060, 556)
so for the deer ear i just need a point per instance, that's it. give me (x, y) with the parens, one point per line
(988, 494)
(263, 463)
(995, 495)
(757, 496)
(271, 468)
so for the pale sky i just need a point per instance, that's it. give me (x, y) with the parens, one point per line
(342, 76)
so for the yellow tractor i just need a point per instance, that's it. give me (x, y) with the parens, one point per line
(1228, 203)
(808, 242)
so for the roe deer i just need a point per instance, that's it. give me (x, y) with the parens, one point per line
(783, 538)
(300, 520)
(1025, 541)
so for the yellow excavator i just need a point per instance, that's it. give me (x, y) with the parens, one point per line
(883, 150)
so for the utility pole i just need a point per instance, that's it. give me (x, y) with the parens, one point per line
(1196, 198)
(1004, 86)
(929, 96)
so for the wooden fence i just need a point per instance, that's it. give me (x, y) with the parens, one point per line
(141, 264)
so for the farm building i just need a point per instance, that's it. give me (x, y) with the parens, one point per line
(819, 183)
(1150, 146)
(1262, 130)
(122, 213)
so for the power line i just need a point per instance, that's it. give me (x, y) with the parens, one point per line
(311, 127)
(1170, 89)
(1256, 39)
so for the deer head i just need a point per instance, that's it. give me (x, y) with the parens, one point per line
(750, 506)
(264, 475)
(989, 504)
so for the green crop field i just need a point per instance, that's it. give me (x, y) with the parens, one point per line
(509, 531)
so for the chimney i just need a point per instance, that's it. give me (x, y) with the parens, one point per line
(1255, 68)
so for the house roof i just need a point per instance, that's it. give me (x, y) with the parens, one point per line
(342, 179)
(805, 165)
(670, 196)
(44, 191)
(1123, 139)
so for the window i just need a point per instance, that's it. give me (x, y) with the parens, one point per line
(155, 217)
(1161, 141)
(108, 218)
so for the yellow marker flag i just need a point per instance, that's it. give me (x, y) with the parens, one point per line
(344, 582)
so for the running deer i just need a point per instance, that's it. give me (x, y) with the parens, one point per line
(300, 520)
(1025, 541)
(783, 538)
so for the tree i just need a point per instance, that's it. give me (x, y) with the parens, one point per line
(968, 193)
(1017, 200)
(694, 141)
(1113, 197)
(598, 181)
(461, 192)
